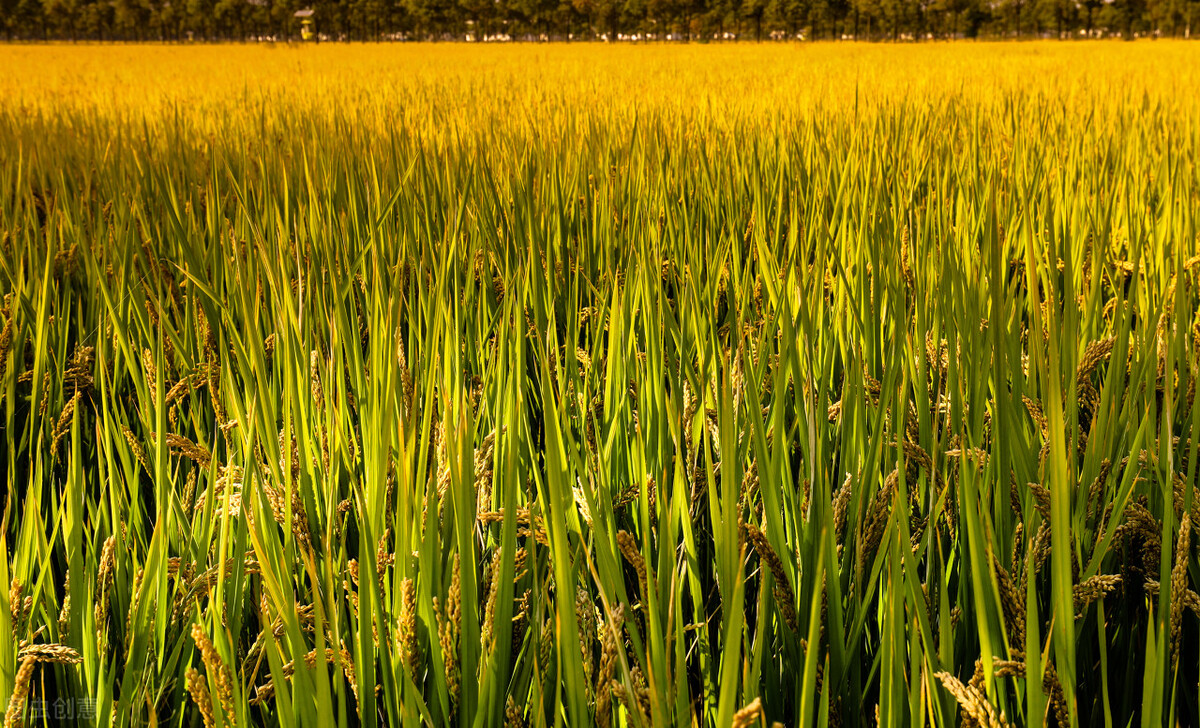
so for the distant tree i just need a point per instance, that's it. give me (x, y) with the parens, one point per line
(96, 19)
(944, 15)
(892, 17)
(1167, 16)
(431, 18)
(479, 15)
(975, 17)
(1015, 7)
(602, 16)
(634, 14)
(229, 17)
(567, 20)
(1089, 8)
(661, 14)
(791, 14)
(718, 17)
(22, 19)
(198, 14)
(612, 19)
(169, 16)
(1128, 16)
(1062, 16)
(8, 18)
(63, 17)
(691, 17)
(754, 11)
(836, 12)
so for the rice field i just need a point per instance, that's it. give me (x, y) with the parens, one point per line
(824, 385)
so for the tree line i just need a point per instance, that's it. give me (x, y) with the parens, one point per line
(583, 20)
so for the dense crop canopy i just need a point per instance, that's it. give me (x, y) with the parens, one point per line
(633, 386)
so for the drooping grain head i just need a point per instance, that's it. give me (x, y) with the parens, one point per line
(14, 715)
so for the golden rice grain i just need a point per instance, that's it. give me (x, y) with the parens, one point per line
(51, 653)
(512, 714)
(749, 715)
(407, 628)
(972, 702)
(609, 654)
(104, 582)
(629, 549)
(14, 715)
(784, 597)
(197, 687)
(1097, 587)
(218, 671)
(1179, 587)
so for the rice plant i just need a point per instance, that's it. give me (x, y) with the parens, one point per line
(638, 386)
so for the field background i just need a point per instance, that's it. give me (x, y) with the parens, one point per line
(640, 385)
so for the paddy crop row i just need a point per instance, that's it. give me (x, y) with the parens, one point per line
(616, 386)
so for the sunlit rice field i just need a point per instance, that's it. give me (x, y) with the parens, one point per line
(826, 385)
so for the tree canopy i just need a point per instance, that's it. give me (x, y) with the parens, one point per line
(576, 20)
